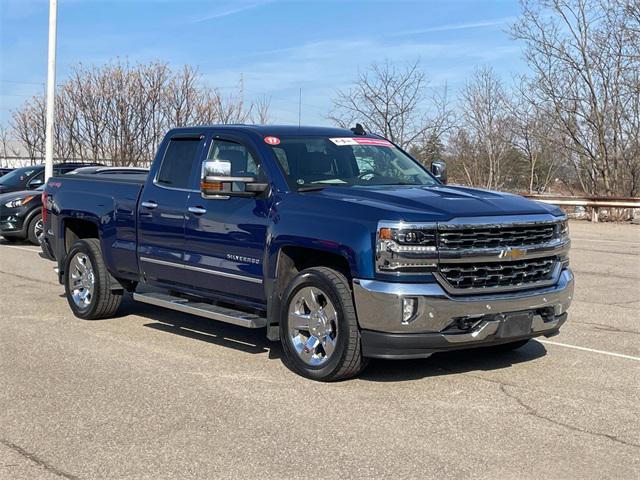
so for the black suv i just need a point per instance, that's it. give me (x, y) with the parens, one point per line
(21, 212)
(30, 178)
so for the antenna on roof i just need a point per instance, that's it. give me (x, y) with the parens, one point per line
(358, 129)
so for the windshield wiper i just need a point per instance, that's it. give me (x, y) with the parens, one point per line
(400, 183)
(312, 188)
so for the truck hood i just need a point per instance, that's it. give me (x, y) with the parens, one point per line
(438, 202)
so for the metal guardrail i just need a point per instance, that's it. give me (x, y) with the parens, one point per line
(592, 202)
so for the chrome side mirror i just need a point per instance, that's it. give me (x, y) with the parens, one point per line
(217, 182)
(439, 170)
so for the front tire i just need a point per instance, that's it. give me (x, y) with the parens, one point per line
(35, 229)
(318, 326)
(88, 283)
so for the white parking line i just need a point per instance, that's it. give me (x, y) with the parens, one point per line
(21, 248)
(592, 350)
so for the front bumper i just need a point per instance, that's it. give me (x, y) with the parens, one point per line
(13, 226)
(433, 328)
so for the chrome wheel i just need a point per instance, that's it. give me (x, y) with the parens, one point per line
(313, 325)
(38, 229)
(82, 280)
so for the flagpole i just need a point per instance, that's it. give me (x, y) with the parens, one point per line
(51, 89)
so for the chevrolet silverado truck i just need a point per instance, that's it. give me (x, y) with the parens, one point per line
(335, 241)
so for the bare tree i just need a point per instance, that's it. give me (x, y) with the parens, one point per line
(262, 107)
(28, 126)
(585, 74)
(485, 113)
(531, 131)
(7, 145)
(391, 101)
(119, 113)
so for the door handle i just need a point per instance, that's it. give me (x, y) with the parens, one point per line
(150, 205)
(197, 210)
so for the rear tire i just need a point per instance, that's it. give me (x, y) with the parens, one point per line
(319, 328)
(88, 285)
(35, 229)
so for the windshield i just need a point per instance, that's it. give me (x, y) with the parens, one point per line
(17, 176)
(346, 161)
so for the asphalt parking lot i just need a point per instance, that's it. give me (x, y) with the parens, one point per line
(157, 394)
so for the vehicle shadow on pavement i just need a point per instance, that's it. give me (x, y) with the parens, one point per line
(17, 242)
(191, 326)
(462, 361)
(255, 342)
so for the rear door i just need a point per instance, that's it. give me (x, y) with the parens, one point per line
(226, 237)
(162, 211)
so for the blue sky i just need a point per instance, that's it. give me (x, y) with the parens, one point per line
(277, 46)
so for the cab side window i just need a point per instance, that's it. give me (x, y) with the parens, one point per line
(178, 162)
(243, 164)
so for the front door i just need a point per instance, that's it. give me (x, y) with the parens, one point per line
(162, 212)
(225, 238)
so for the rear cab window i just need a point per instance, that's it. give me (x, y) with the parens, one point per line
(178, 162)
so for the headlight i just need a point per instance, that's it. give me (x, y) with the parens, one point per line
(563, 229)
(563, 234)
(406, 248)
(18, 202)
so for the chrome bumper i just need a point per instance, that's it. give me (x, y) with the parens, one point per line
(379, 307)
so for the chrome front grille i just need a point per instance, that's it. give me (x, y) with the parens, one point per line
(495, 236)
(487, 275)
(477, 257)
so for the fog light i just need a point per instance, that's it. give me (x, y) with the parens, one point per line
(409, 307)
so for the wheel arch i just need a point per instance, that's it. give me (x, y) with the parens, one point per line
(31, 215)
(291, 260)
(74, 229)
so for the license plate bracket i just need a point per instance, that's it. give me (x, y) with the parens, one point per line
(515, 325)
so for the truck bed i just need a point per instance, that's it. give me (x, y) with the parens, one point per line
(110, 202)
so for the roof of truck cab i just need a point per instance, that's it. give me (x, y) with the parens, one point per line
(277, 130)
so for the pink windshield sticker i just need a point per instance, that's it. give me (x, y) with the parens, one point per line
(376, 142)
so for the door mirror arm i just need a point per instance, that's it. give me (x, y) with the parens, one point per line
(216, 186)
(256, 187)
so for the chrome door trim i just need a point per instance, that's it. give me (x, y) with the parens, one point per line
(201, 270)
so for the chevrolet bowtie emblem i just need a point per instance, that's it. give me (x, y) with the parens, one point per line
(512, 253)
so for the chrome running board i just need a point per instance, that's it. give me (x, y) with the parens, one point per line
(202, 309)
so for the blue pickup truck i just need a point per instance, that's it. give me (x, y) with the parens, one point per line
(335, 241)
